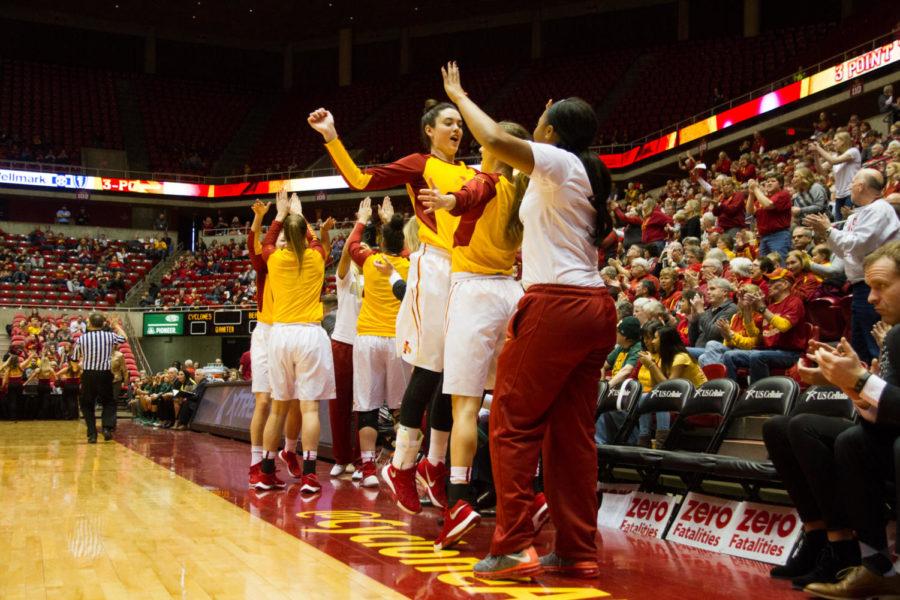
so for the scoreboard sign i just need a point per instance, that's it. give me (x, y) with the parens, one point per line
(163, 324)
(201, 322)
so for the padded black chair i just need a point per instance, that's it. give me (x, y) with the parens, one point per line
(825, 400)
(712, 398)
(623, 398)
(668, 396)
(767, 397)
(602, 391)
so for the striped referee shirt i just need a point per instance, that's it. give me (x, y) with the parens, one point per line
(95, 349)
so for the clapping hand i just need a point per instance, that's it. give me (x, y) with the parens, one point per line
(365, 211)
(645, 358)
(725, 327)
(260, 208)
(328, 225)
(386, 210)
(879, 331)
(282, 204)
(296, 205)
(820, 223)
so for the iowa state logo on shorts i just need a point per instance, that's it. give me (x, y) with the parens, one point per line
(407, 349)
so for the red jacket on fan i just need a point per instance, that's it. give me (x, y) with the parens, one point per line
(653, 227)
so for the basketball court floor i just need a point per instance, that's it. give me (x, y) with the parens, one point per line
(163, 514)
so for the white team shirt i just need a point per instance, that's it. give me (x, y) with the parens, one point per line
(558, 247)
(349, 297)
(844, 173)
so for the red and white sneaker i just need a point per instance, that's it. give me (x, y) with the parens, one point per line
(268, 481)
(368, 474)
(458, 521)
(292, 463)
(583, 569)
(433, 479)
(311, 484)
(255, 472)
(403, 485)
(540, 512)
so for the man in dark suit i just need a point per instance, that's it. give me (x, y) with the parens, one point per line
(865, 453)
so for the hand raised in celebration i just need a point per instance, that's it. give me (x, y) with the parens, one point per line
(386, 210)
(452, 84)
(296, 205)
(365, 211)
(323, 121)
(260, 208)
(282, 204)
(328, 225)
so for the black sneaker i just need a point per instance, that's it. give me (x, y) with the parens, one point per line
(107, 433)
(92, 439)
(828, 565)
(802, 562)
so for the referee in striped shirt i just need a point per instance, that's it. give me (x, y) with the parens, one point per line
(95, 348)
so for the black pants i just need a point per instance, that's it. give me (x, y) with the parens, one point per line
(98, 385)
(44, 406)
(13, 402)
(70, 401)
(802, 448)
(865, 460)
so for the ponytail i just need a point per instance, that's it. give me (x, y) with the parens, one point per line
(295, 228)
(601, 184)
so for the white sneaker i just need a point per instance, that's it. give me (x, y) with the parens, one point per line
(357, 475)
(338, 470)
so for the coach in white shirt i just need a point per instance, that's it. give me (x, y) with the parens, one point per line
(874, 224)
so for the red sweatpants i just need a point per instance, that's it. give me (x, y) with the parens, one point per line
(546, 395)
(344, 444)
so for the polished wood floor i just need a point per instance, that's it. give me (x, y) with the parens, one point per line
(165, 514)
(101, 521)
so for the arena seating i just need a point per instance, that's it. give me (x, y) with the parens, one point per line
(46, 285)
(187, 124)
(52, 108)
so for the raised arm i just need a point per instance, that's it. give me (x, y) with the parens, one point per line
(259, 211)
(398, 173)
(507, 148)
(353, 246)
(325, 235)
(282, 204)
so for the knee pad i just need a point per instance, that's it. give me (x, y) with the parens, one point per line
(440, 413)
(368, 418)
(422, 386)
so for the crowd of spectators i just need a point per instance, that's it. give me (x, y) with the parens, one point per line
(732, 259)
(40, 372)
(168, 399)
(218, 274)
(13, 147)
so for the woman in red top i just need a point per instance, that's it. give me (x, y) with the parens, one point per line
(669, 293)
(730, 208)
